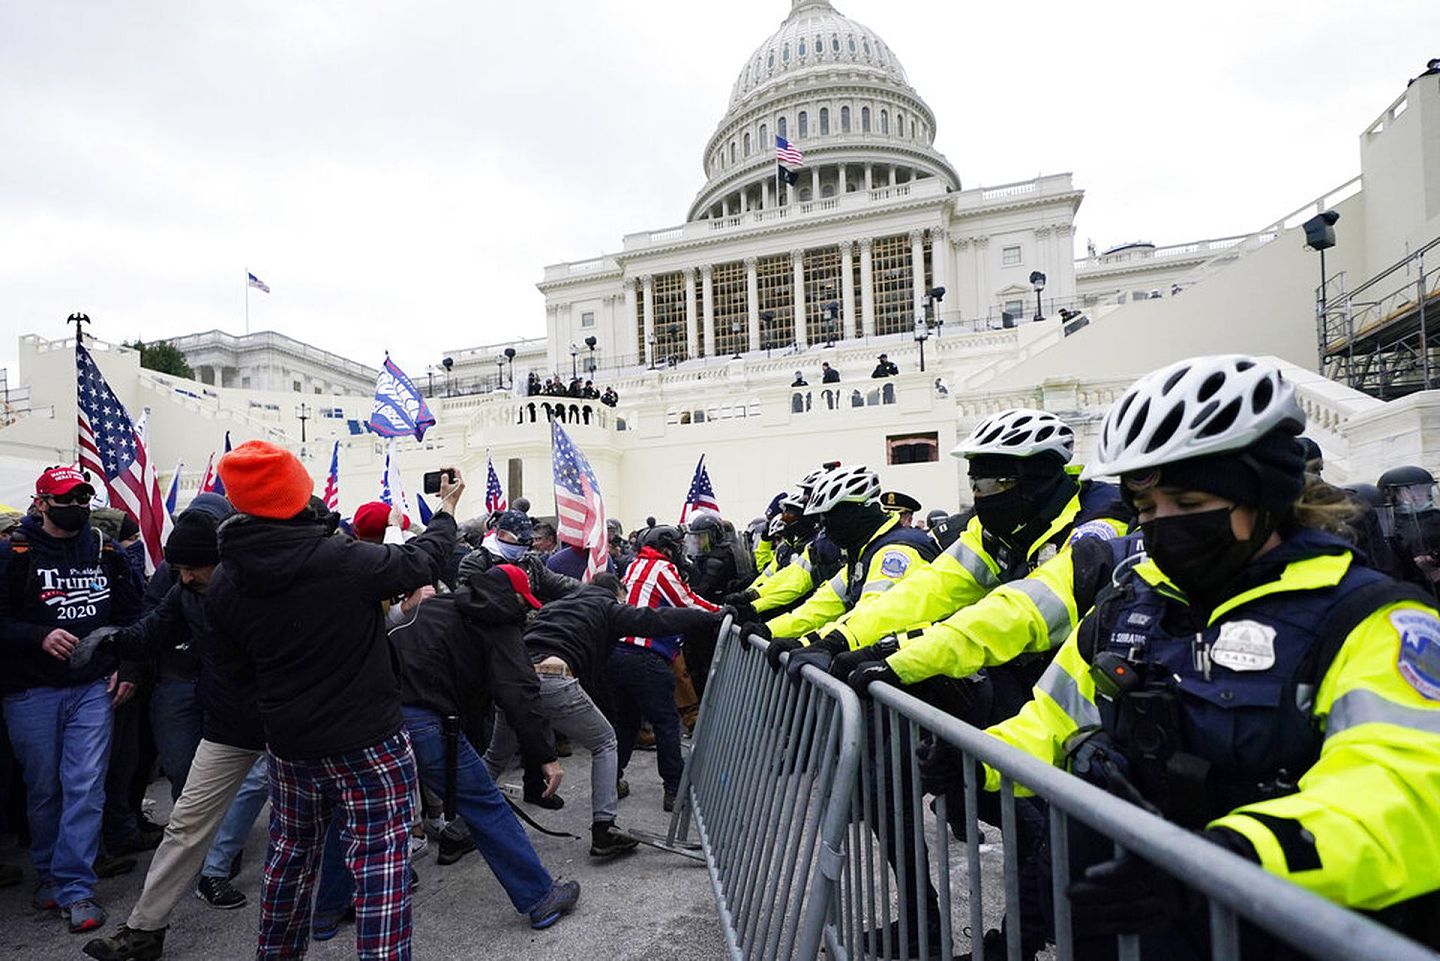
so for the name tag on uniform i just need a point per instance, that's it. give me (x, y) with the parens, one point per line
(1244, 646)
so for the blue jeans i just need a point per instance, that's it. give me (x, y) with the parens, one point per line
(335, 891)
(61, 737)
(498, 836)
(239, 819)
(175, 721)
(642, 684)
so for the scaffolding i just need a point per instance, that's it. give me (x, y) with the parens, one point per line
(1383, 337)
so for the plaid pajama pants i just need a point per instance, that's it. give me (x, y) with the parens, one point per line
(370, 792)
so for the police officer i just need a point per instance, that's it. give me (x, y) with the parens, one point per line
(804, 558)
(1410, 493)
(902, 505)
(1254, 680)
(712, 559)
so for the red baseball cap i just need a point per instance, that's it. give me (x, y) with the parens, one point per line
(63, 480)
(520, 581)
(371, 519)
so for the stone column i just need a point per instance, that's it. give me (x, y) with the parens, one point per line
(869, 177)
(649, 304)
(692, 339)
(867, 289)
(628, 335)
(1044, 262)
(725, 206)
(814, 183)
(962, 263)
(707, 305)
(983, 292)
(797, 265)
(752, 302)
(847, 290)
(917, 274)
(765, 198)
(940, 259)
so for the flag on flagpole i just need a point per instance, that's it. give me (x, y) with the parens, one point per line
(173, 497)
(787, 154)
(257, 283)
(111, 448)
(399, 409)
(494, 493)
(211, 482)
(332, 482)
(392, 488)
(579, 508)
(425, 512)
(701, 496)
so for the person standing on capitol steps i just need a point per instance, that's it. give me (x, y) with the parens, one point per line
(61, 579)
(1247, 678)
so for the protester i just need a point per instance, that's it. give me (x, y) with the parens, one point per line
(301, 609)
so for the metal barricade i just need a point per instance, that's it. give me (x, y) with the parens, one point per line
(894, 835)
(767, 785)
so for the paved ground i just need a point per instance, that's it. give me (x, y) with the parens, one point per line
(648, 905)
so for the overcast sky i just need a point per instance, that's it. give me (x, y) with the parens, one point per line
(399, 173)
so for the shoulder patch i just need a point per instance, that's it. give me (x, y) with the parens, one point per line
(894, 564)
(1096, 529)
(1419, 661)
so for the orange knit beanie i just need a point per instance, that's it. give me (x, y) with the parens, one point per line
(265, 480)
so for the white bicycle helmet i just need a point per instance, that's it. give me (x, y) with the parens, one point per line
(1019, 432)
(855, 484)
(1195, 408)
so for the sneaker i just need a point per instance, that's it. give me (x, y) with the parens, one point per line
(128, 944)
(83, 915)
(10, 875)
(607, 841)
(562, 897)
(562, 746)
(418, 844)
(622, 787)
(44, 897)
(668, 803)
(324, 927)
(453, 849)
(111, 866)
(552, 803)
(219, 893)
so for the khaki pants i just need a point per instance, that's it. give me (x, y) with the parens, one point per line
(687, 702)
(216, 774)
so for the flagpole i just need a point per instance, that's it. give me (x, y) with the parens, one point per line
(247, 301)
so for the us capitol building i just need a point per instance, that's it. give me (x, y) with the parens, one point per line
(875, 246)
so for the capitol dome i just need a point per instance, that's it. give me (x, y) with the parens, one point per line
(838, 93)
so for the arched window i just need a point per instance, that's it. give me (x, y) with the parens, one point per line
(764, 137)
(884, 121)
(770, 60)
(804, 125)
(732, 151)
(801, 48)
(852, 44)
(864, 119)
(835, 43)
(827, 191)
(785, 53)
(899, 124)
(867, 48)
(844, 119)
(781, 128)
(804, 193)
(819, 45)
(747, 143)
(824, 121)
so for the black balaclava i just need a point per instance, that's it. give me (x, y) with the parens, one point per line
(1021, 514)
(851, 525)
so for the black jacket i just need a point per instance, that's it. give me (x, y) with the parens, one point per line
(301, 608)
(582, 629)
(78, 583)
(713, 574)
(461, 652)
(177, 624)
(545, 584)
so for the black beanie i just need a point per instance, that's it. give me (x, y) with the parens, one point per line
(193, 542)
(1270, 473)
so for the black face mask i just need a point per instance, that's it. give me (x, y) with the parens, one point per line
(851, 525)
(1004, 513)
(68, 517)
(1199, 552)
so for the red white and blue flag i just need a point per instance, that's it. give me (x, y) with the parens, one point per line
(399, 409)
(257, 283)
(111, 448)
(787, 154)
(701, 496)
(494, 493)
(332, 482)
(172, 498)
(211, 482)
(579, 508)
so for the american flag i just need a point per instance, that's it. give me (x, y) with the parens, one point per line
(787, 153)
(257, 283)
(111, 447)
(701, 496)
(211, 482)
(332, 482)
(494, 493)
(578, 506)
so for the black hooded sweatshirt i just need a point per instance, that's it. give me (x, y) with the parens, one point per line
(301, 608)
(461, 652)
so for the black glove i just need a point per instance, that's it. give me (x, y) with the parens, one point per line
(741, 602)
(1125, 895)
(868, 673)
(779, 646)
(846, 662)
(810, 654)
(754, 627)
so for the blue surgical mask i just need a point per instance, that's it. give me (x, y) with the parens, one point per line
(503, 549)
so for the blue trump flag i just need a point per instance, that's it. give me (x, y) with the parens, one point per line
(399, 410)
